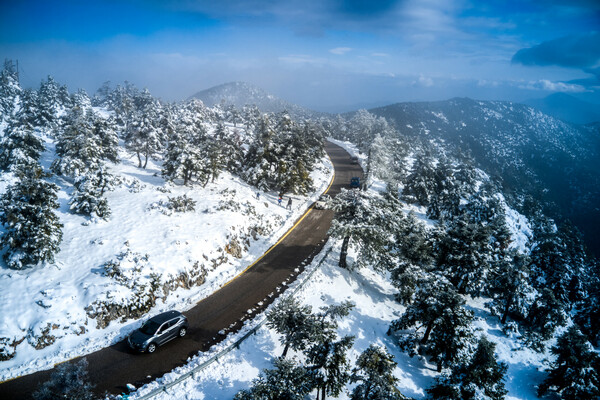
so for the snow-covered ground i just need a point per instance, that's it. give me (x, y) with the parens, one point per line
(46, 306)
(368, 322)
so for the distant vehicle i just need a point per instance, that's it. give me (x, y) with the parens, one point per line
(321, 203)
(157, 331)
(355, 182)
(354, 160)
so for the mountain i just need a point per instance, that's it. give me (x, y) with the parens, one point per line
(240, 94)
(528, 151)
(567, 108)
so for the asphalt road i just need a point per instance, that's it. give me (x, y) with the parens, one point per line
(110, 369)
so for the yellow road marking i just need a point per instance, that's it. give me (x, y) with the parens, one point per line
(283, 237)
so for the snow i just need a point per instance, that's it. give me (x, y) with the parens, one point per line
(53, 297)
(375, 309)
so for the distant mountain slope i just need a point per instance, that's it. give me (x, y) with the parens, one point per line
(240, 94)
(529, 151)
(567, 108)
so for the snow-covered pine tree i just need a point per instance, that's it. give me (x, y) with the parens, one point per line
(69, 381)
(287, 381)
(294, 322)
(545, 314)
(20, 147)
(78, 148)
(143, 135)
(482, 378)
(33, 231)
(588, 314)
(420, 182)
(329, 365)
(362, 217)
(508, 286)
(439, 310)
(52, 100)
(374, 373)
(87, 198)
(10, 90)
(575, 374)
(465, 254)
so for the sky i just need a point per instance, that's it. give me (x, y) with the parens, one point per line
(327, 55)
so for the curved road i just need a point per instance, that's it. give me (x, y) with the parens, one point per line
(113, 367)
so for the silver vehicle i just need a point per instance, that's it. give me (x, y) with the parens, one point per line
(157, 331)
(322, 202)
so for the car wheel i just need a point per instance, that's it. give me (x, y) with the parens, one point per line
(151, 348)
(182, 332)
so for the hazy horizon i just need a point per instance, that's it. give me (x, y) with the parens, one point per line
(319, 54)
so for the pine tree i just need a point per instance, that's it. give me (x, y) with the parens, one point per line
(33, 231)
(69, 381)
(575, 374)
(52, 100)
(438, 309)
(545, 314)
(294, 322)
(79, 149)
(465, 255)
(508, 287)
(87, 197)
(588, 315)
(287, 381)
(143, 135)
(10, 90)
(374, 372)
(20, 147)
(329, 365)
(482, 378)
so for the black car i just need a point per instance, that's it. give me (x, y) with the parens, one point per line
(157, 331)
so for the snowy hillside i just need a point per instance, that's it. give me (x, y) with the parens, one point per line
(531, 152)
(240, 94)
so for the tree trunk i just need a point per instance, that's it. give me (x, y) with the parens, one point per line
(344, 253)
(323, 393)
(139, 159)
(285, 350)
(427, 333)
(506, 309)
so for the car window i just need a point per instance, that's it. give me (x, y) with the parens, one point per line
(149, 327)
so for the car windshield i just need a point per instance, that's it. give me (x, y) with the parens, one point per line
(149, 327)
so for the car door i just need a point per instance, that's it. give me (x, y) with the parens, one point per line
(163, 333)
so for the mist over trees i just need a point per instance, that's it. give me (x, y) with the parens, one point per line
(191, 144)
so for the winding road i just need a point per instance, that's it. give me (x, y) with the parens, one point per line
(110, 369)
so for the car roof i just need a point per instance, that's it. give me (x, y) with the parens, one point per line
(166, 316)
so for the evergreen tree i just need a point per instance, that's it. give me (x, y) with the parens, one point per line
(52, 100)
(10, 90)
(20, 147)
(329, 365)
(465, 255)
(374, 372)
(438, 310)
(185, 157)
(545, 314)
(575, 374)
(33, 231)
(87, 197)
(420, 182)
(588, 315)
(69, 381)
(294, 322)
(143, 135)
(508, 287)
(480, 379)
(287, 381)
(79, 149)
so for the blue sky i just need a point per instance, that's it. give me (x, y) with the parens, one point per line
(325, 54)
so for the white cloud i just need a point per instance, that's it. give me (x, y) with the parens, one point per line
(380, 55)
(545, 84)
(423, 81)
(340, 51)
